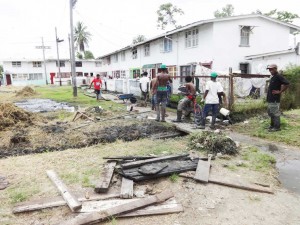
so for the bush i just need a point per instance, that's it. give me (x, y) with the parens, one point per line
(290, 99)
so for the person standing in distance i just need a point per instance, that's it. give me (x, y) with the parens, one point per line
(97, 86)
(213, 90)
(162, 93)
(277, 85)
(144, 86)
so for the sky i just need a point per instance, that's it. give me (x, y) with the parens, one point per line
(113, 23)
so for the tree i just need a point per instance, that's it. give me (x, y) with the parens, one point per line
(79, 55)
(225, 12)
(138, 39)
(88, 55)
(283, 16)
(166, 15)
(81, 36)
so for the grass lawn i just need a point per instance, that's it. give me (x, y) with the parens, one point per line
(258, 127)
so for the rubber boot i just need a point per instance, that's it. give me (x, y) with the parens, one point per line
(272, 123)
(202, 126)
(276, 124)
(163, 114)
(157, 113)
(178, 119)
(213, 121)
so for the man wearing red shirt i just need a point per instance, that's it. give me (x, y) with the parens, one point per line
(97, 86)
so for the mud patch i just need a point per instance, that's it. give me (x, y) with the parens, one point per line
(44, 105)
(58, 137)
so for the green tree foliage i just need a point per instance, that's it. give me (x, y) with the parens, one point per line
(81, 36)
(283, 16)
(88, 55)
(290, 98)
(138, 39)
(225, 12)
(166, 15)
(79, 55)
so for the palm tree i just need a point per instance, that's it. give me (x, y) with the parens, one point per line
(81, 36)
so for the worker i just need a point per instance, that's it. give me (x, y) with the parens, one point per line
(97, 86)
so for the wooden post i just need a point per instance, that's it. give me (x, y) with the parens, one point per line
(71, 200)
(231, 95)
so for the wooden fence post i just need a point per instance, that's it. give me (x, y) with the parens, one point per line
(231, 95)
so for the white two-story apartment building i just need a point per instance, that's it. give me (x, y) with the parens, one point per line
(216, 43)
(22, 72)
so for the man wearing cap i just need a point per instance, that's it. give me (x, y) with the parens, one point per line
(277, 85)
(162, 92)
(144, 86)
(213, 90)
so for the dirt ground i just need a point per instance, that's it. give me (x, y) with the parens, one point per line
(80, 164)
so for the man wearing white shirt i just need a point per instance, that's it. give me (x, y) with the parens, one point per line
(213, 90)
(144, 86)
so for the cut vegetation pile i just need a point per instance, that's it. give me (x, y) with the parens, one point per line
(11, 115)
(213, 143)
(26, 92)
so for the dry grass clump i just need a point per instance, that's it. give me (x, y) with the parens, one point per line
(26, 92)
(11, 115)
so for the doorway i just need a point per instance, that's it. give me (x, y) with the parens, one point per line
(8, 79)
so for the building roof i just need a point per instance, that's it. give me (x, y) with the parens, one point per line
(202, 22)
(291, 50)
(47, 60)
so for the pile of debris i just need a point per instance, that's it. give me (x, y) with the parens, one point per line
(97, 208)
(11, 115)
(26, 92)
(213, 143)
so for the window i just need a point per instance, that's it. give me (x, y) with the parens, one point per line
(61, 63)
(37, 64)
(135, 73)
(245, 35)
(123, 74)
(98, 64)
(79, 74)
(65, 75)
(35, 76)
(244, 67)
(166, 44)
(191, 38)
(123, 56)
(116, 74)
(172, 71)
(186, 71)
(134, 53)
(16, 64)
(78, 64)
(20, 76)
(147, 49)
(115, 58)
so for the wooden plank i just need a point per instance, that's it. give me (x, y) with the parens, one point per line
(130, 157)
(169, 206)
(126, 188)
(235, 184)
(159, 159)
(202, 171)
(104, 214)
(54, 202)
(105, 177)
(71, 200)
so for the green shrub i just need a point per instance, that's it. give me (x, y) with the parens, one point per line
(290, 99)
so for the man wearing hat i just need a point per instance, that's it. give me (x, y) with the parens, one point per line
(213, 90)
(277, 85)
(144, 85)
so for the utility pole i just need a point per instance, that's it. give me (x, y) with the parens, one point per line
(73, 69)
(58, 62)
(43, 47)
